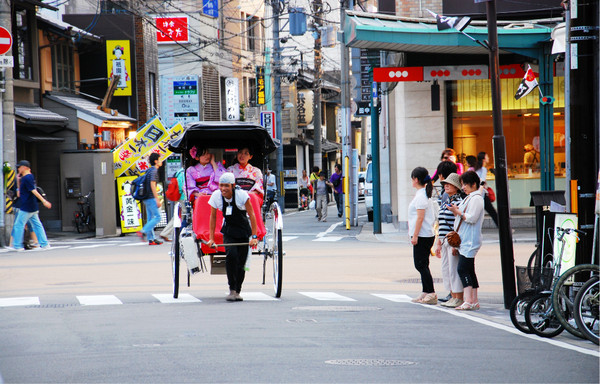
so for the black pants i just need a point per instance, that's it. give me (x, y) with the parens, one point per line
(466, 271)
(489, 208)
(235, 261)
(421, 253)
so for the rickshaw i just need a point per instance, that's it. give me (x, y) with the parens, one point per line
(192, 230)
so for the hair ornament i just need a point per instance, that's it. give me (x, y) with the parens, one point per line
(193, 152)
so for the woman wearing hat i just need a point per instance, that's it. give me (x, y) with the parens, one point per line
(452, 283)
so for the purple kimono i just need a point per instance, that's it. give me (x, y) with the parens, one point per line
(203, 178)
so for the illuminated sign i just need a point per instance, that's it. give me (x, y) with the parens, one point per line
(260, 86)
(172, 30)
(118, 55)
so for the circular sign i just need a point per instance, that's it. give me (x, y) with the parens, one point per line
(5, 40)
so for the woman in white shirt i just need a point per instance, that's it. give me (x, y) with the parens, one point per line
(469, 218)
(420, 229)
(481, 170)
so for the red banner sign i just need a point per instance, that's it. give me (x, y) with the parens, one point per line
(392, 74)
(172, 29)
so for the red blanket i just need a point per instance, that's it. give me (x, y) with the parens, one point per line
(201, 221)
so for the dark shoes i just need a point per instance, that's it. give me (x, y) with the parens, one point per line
(445, 299)
(155, 242)
(165, 238)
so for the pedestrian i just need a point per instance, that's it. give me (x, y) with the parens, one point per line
(12, 193)
(28, 209)
(153, 202)
(235, 204)
(271, 187)
(338, 189)
(304, 182)
(449, 154)
(421, 219)
(468, 226)
(481, 170)
(472, 162)
(314, 177)
(321, 197)
(452, 283)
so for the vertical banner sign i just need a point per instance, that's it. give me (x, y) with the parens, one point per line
(172, 30)
(232, 98)
(260, 86)
(267, 120)
(130, 158)
(305, 108)
(130, 211)
(180, 100)
(210, 8)
(118, 62)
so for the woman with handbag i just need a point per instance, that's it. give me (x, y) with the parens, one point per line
(481, 170)
(420, 228)
(443, 249)
(469, 218)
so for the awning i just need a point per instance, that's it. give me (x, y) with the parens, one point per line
(32, 114)
(35, 136)
(392, 33)
(88, 111)
(326, 145)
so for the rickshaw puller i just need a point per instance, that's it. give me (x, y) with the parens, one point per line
(236, 207)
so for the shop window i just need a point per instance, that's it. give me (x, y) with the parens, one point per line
(22, 45)
(63, 72)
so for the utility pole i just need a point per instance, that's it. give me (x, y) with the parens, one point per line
(276, 4)
(506, 248)
(317, 23)
(7, 132)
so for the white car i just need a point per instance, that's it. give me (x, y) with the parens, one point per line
(369, 191)
(361, 185)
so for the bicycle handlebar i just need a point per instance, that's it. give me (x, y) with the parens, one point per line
(569, 230)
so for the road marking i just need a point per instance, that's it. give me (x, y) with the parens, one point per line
(288, 238)
(167, 298)
(330, 229)
(133, 244)
(329, 239)
(99, 300)
(257, 296)
(393, 297)
(515, 331)
(19, 301)
(91, 246)
(326, 296)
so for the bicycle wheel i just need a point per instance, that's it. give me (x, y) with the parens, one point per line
(274, 245)
(91, 223)
(78, 222)
(517, 312)
(564, 292)
(175, 262)
(540, 317)
(586, 309)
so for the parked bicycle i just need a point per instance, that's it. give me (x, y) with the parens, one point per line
(83, 218)
(587, 308)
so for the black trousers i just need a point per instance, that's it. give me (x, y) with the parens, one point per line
(466, 271)
(421, 253)
(489, 208)
(235, 260)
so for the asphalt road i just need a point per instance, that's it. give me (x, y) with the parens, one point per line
(100, 310)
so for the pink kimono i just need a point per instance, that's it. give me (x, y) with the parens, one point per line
(203, 178)
(249, 179)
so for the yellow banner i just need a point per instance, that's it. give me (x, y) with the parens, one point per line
(130, 210)
(118, 62)
(130, 158)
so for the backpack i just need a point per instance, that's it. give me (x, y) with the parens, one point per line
(175, 189)
(140, 189)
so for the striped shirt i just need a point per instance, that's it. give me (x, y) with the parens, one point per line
(446, 217)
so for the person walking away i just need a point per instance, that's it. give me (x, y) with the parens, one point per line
(420, 228)
(481, 170)
(153, 202)
(338, 189)
(321, 197)
(304, 182)
(469, 219)
(452, 195)
(314, 177)
(29, 210)
(235, 204)
(271, 187)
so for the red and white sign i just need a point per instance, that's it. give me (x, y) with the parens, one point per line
(5, 40)
(172, 30)
(456, 72)
(393, 74)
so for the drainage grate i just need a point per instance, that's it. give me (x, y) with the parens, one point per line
(370, 362)
(337, 308)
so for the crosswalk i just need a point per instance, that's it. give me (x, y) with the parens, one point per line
(185, 298)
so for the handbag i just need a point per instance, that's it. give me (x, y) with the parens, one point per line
(491, 194)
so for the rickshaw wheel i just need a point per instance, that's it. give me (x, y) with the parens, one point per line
(175, 263)
(274, 246)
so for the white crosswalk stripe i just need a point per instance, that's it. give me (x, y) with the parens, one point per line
(329, 238)
(19, 301)
(326, 296)
(257, 296)
(393, 297)
(167, 298)
(99, 300)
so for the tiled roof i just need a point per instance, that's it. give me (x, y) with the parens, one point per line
(33, 113)
(73, 30)
(88, 107)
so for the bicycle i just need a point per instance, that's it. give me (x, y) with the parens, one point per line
(83, 218)
(540, 314)
(587, 309)
(530, 282)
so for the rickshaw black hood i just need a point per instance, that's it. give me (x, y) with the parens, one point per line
(225, 134)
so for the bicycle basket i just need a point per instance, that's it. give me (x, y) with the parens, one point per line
(534, 279)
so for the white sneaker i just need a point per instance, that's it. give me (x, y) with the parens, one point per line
(47, 247)
(13, 249)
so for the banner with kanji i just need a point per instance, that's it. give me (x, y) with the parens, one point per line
(130, 211)
(131, 157)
